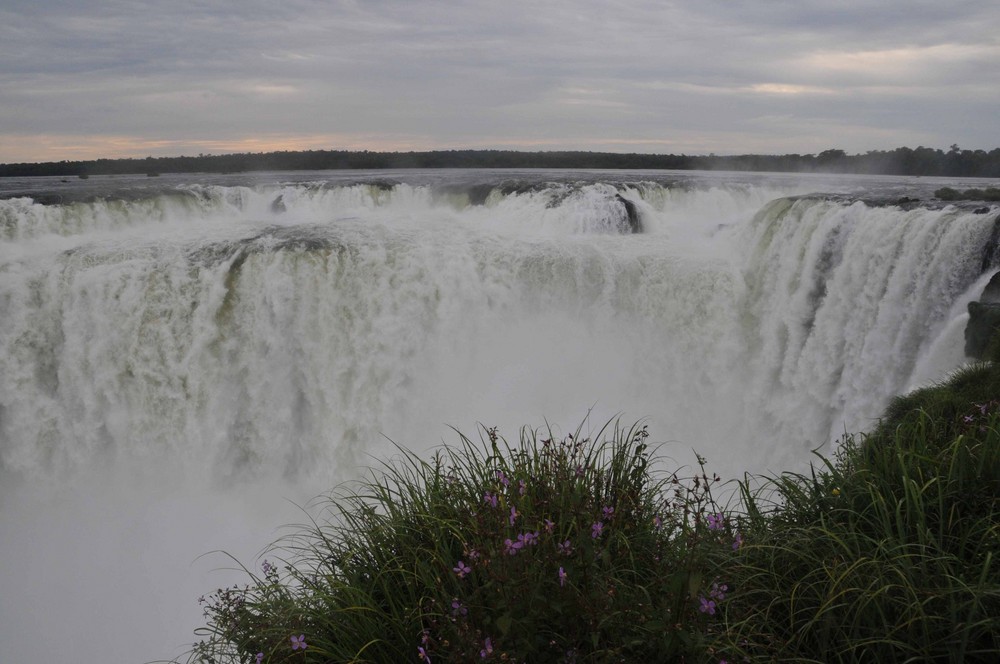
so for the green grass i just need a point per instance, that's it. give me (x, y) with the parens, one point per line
(887, 552)
(547, 550)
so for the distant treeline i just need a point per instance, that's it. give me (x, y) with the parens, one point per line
(901, 161)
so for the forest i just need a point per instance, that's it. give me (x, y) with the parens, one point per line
(956, 162)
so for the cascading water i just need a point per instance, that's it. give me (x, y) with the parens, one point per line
(174, 363)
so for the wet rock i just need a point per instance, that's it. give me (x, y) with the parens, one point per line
(982, 333)
(632, 212)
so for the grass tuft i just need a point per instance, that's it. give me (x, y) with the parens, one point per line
(586, 550)
(571, 550)
(887, 553)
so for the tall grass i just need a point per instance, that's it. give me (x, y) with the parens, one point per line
(542, 551)
(588, 550)
(888, 553)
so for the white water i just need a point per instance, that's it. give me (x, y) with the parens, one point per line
(174, 370)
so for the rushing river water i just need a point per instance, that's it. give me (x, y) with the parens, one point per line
(182, 358)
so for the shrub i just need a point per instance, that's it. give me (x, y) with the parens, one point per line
(580, 550)
(571, 550)
(887, 553)
(939, 410)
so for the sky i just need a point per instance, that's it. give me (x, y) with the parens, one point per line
(83, 79)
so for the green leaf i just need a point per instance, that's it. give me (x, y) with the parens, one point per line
(694, 584)
(503, 624)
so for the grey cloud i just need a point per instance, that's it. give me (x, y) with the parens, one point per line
(456, 74)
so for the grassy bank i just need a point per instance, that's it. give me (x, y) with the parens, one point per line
(584, 550)
(887, 553)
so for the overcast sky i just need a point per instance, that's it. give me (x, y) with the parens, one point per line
(81, 79)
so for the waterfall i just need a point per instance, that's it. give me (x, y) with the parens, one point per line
(174, 363)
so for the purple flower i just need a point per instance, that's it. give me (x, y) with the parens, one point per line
(423, 655)
(596, 529)
(968, 419)
(608, 511)
(299, 642)
(565, 548)
(528, 539)
(502, 478)
(266, 567)
(259, 658)
(579, 470)
(462, 569)
(657, 522)
(715, 521)
(707, 606)
(562, 577)
(490, 499)
(513, 514)
(522, 488)
(718, 593)
(549, 525)
(512, 548)
(738, 542)
(457, 609)
(487, 648)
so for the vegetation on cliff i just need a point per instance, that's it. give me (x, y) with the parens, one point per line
(886, 553)
(587, 550)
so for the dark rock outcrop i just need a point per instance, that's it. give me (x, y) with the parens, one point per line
(991, 251)
(982, 333)
(632, 212)
(991, 294)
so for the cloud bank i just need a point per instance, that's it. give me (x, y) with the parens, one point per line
(87, 79)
